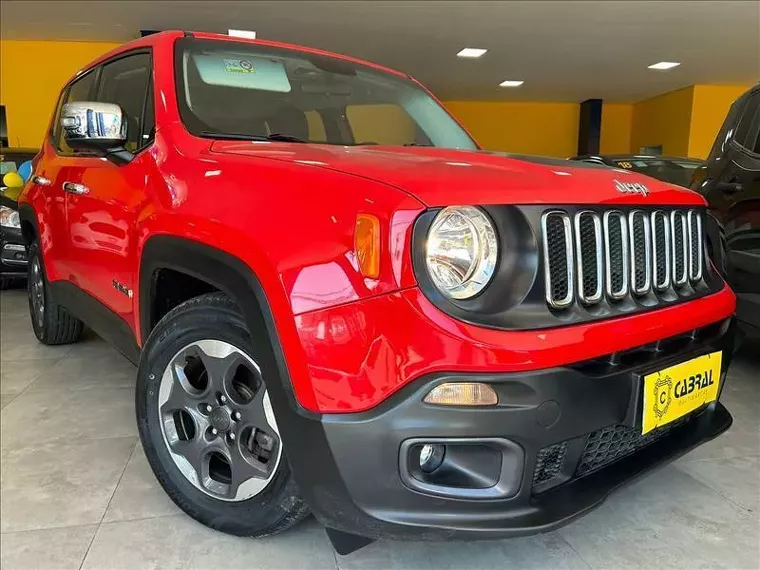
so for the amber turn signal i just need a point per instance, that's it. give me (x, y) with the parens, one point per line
(367, 244)
(462, 394)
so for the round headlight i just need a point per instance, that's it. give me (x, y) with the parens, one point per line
(461, 251)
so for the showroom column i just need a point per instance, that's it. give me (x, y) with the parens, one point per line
(590, 126)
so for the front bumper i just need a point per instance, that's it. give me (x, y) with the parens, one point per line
(352, 471)
(13, 259)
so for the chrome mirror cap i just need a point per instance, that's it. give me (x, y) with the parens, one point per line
(92, 124)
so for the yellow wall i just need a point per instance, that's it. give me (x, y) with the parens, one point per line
(529, 128)
(31, 76)
(663, 120)
(709, 110)
(617, 122)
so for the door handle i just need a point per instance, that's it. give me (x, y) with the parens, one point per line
(41, 180)
(75, 188)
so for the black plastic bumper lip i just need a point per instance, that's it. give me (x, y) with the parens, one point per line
(348, 466)
(563, 504)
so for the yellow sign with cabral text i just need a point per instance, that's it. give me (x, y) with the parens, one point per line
(674, 392)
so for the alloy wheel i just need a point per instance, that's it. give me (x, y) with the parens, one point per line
(217, 420)
(37, 292)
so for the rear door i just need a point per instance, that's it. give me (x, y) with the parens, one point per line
(102, 212)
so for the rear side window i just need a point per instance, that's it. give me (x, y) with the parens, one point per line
(728, 129)
(125, 82)
(80, 90)
(745, 133)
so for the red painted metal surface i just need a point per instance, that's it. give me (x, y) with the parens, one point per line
(288, 212)
(361, 353)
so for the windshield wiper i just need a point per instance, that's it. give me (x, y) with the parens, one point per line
(250, 137)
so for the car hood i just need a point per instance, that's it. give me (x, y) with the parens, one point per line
(443, 177)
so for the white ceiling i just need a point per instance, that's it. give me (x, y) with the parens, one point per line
(563, 50)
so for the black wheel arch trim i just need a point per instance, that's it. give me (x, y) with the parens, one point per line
(302, 431)
(27, 214)
(223, 271)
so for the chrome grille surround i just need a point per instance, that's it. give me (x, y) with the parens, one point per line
(567, 268)
(611, 255)
(641, 259)
(695, 245)
(680, 231)
(661, 251)
(615, 243)
(594, 274)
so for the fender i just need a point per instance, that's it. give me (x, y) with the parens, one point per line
(300, 428)
(226, 273)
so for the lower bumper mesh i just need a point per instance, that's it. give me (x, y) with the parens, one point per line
(602, 447)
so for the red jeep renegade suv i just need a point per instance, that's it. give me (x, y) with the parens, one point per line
(341, 305)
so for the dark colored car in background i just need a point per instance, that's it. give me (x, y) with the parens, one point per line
(12, 250)
(730, 181)
(673, 169)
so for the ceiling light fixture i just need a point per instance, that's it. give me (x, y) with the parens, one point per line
(248, 34)
(471, 52)
(511, 83)
(663, 65)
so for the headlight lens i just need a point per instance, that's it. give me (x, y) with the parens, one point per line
(9, 217)
(461, 251)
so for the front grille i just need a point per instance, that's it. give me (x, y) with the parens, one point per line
(590, 255)
(615, 442)
(601, 448)
(549, 461)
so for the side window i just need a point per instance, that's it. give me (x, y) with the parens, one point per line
(80, 90)
(744, 128)
(385, 124)
(728, 128)
(125, 83)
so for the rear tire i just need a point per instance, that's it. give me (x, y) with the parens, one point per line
(51, 322)
(189, 415)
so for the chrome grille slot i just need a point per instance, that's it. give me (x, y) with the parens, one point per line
(647, 256)
(588, 247)
(694, 221)
(661, 240)
(641, 247)
(616, 254)
(680, 249)
(558, 258)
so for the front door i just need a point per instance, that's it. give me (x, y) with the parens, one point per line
(103, 198)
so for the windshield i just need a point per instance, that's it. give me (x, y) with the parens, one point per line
(247, 90)
(674, 171)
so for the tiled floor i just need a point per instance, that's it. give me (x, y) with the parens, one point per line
(77, 491)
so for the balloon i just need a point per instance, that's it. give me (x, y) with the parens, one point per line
(13, 180)
(25, 171)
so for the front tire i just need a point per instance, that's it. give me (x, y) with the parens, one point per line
(51, 322)
(207, 425)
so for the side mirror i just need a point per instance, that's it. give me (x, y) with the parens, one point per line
(92, 125)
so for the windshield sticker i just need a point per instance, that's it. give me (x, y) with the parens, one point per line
(238, 66)
(625, 164)
(237, 70)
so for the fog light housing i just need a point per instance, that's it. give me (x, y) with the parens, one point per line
(431, 457)
(462, 394)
